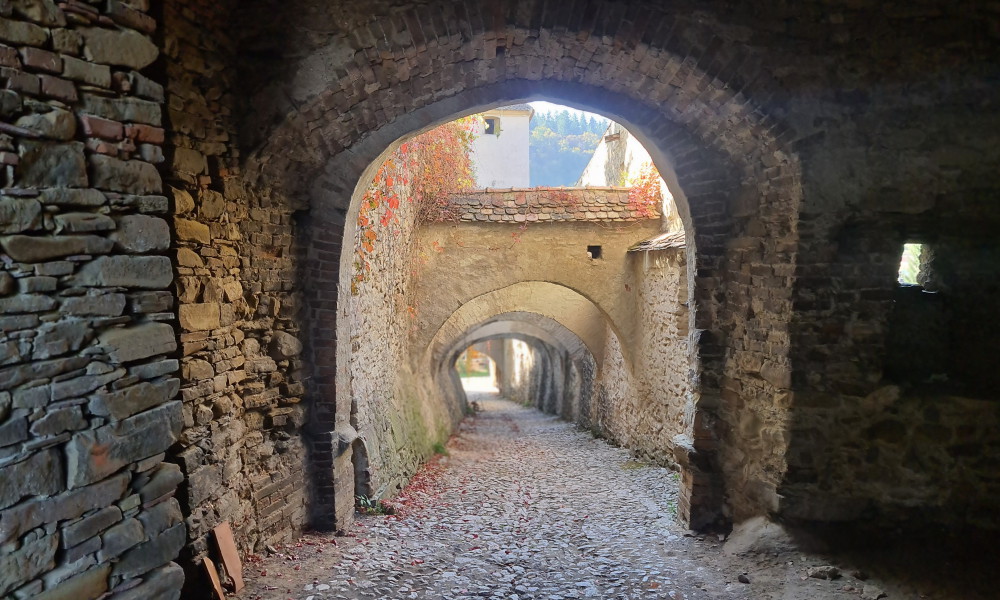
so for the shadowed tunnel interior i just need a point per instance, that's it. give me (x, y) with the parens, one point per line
(190, 340)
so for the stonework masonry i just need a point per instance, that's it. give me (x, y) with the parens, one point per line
(88, 356)
(177, 178)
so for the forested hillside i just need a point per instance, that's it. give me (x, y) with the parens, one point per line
(560, 146)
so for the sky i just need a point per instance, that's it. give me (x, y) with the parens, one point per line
(547, 107)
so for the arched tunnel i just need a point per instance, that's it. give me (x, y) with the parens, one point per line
(198, 350)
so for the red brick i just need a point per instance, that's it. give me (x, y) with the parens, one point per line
(102, 128)
(41, 60)
(145, 134)
(58, 88)
(9, 58)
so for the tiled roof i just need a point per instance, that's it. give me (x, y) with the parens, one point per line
(664, 241)
(519, 205)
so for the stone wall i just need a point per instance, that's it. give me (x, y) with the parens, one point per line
(241, 451)
(899, 455)
(395, 410)
(643, 408)
(88, 353)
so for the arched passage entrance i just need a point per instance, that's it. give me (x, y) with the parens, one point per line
(736, 183)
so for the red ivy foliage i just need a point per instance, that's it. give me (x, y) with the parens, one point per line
(425, 169)
(645, 194)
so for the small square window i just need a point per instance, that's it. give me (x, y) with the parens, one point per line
(912, 266)
(594, 252)
(492, 126)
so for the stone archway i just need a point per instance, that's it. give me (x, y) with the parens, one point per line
(345, 93)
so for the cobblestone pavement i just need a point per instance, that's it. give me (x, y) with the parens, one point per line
(526, 506)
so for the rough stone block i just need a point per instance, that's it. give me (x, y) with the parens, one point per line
(187, 257)
(83, 222)
(56, 124)
(120, 47)
(91, 584)
(27, 562)
(164, 481)
(123, 109)
(152, 554)
(58, 88)
(58, 421)
(124, 403)
(26, 303)
(32, 249)
(94, 304)
(120, 538)
(139, 341)
(141, 233)
(13, 431)
(73, 197)
(83, 530)
(189, 161)
(160, 517)
(39, 475)
(19, 32)
(55, 339)
(126, 176)
(49, 164)
(284, 345)
(28, 515)
(86, 72)
(162, 584)
(19, 214)
(93, 455)
(41, 60)
(150, 272)
(204, 483)
(194, 231)
(43, 12)
(183, 201)
(199, 317)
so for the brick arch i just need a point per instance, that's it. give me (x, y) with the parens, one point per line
(737, 182)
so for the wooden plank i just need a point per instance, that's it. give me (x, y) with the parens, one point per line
(230, 556)
(213, 576)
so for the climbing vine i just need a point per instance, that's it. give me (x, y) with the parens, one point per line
(645, 194)
(424, 170)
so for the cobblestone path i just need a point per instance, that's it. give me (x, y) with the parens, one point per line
(524, 506)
